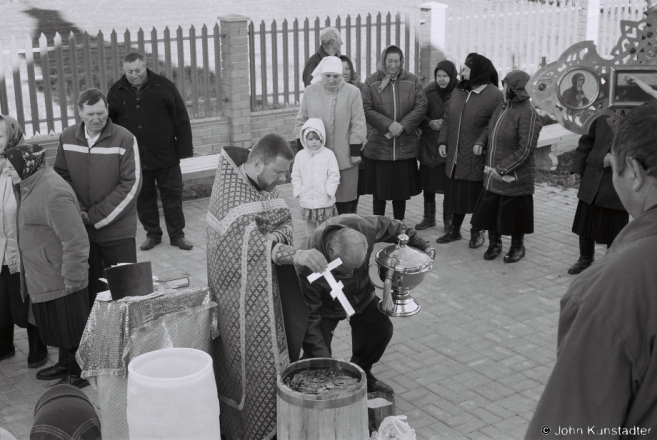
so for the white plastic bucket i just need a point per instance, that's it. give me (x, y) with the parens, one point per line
(172, 394)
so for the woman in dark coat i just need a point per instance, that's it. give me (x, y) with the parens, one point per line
(506, 205)
(471, 106)
(600, 215)
(432, 164)
(395, 105)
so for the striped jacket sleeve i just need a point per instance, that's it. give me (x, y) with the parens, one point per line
(125, 194)
(529, 128)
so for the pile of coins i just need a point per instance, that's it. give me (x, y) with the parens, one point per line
(319, 381)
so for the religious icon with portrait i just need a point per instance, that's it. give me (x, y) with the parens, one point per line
(578, 89)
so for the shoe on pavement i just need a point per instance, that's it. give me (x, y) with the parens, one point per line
(378, 385)
(182, 243)
(451, 235)
(150, 243)
(76, 381)
(57, 371)
(477, 239)
(582, 264)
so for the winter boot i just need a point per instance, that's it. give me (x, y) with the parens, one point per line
(429, 219)
(38, 355)
(517, 249)
(494, 246)
(453, 233)
(477, 238)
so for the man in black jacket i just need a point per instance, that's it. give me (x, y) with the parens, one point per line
(330, 43)
(351, 238)
(150, 107)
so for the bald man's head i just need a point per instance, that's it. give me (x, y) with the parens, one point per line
(350, 246)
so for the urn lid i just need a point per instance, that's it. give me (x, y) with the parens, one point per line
(403, 258)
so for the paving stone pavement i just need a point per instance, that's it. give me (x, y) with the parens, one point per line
(471, 365)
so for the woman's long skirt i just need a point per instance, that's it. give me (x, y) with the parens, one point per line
(61, 321)
(599, 224)
(348, 188)
(508, 215)
(433, 179)
(461, 195)
(392, 180)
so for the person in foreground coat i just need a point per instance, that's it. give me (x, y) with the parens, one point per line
(54, 249)
(432, 164)
(395, 105)
(603, 382)
(151, 108)
(472, 105)
(600, 215)
(506, 205)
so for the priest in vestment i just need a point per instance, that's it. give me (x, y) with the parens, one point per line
(261, 312)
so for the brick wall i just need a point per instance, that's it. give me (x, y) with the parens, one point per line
(211, 134)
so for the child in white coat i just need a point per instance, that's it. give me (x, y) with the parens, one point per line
(315, 176)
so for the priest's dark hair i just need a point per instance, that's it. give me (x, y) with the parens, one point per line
(269, 147)
(636, 138)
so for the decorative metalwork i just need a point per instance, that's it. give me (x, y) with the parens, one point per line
(582, 85)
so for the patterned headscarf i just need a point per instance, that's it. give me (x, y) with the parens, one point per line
(14, 132)
(26, 159)
(381, 67)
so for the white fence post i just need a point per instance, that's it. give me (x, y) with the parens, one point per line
(433, 22)
(589, 20)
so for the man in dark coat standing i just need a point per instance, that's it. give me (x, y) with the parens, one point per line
(330, 43)
(603, 382)
(150, 107)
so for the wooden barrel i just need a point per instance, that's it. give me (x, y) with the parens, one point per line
(332, 416)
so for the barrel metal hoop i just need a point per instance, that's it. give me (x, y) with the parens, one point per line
(322, 404)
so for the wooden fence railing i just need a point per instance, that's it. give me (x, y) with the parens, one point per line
(512, 35)
(278, 54)
(47, 76)
(611, 14)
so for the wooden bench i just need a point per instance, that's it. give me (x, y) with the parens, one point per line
(553, 141)
(199, 167)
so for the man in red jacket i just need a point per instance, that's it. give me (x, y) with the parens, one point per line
(100, 161)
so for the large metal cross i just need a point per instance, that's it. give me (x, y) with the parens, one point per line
(336, 287)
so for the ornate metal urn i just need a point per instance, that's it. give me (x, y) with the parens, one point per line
(401, 268)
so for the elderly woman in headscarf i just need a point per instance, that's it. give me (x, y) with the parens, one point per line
(340, 107)
(471, 107)
(432, 164)
(506, 205)
(395, 105)
(54, 248)
(14, 306)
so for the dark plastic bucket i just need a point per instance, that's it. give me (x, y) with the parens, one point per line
(134, 279)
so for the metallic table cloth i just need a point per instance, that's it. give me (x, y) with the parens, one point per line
(119, 331)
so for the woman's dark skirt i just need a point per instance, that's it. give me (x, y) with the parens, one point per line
(61, 321)
(392, 180)
(361, 176)
(508, 215)
(433, 179)
(461, 195)
(12, 308)
(599, 224)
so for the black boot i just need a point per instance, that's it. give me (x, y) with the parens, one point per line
(447, 221)
(582, 264)
(7, 349)
(38, 355)
(477, 239)
(429, 219)
(517, 249)
(453, 233)
(494, 246)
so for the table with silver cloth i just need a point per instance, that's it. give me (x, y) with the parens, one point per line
(119, 331)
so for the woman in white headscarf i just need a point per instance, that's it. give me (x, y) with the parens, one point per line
(340, 107)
